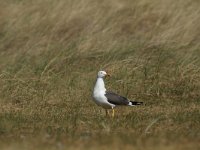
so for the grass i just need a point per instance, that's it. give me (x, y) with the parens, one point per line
(50, 52)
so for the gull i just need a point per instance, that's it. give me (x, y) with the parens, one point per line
(108, 99)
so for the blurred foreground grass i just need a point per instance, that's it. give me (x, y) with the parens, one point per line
(50, 52)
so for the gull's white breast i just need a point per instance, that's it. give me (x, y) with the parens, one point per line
(101, 100)
(99, 95)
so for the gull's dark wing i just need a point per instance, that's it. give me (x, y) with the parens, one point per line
(116, 99)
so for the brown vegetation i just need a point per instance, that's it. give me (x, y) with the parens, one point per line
(50, 52)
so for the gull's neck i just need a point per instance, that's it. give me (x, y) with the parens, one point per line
(100, 86)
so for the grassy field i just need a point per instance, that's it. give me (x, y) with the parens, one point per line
(51, 51)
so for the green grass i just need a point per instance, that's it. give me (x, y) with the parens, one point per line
(51, 51)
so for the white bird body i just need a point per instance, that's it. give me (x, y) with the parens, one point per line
(106, 99)
(99, 94)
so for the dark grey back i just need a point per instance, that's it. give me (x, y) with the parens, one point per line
(116, 99)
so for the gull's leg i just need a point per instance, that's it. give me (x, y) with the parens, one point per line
(107, 113)
(113, 112)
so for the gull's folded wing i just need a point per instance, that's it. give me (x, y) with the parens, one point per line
(116, 99)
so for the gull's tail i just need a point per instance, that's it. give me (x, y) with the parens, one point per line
(133, 103)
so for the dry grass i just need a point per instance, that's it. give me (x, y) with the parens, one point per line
(50, 52)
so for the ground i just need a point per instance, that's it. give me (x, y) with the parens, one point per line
(51, 51)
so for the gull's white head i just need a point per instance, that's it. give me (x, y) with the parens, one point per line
(102, 74)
